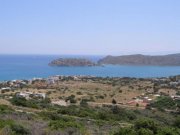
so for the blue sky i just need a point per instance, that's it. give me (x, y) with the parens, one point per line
(92, 27)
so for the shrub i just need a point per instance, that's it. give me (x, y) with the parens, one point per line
(168, 131)
(125, 131)
(5, 109)
(32, 103)
(144, 131)
(177, 122)
(114, 101)
(79, 93)
(164, 102)
(19, 101)
(19, 130)
(146, 124)
(84, 102)
(71, 99)
(65, 122)
(4, 123)
(16, 129)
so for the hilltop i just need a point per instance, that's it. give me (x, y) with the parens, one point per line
(139, 59)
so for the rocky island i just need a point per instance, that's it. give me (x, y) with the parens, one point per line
(72, 62)
(139, 59)
(134, 60)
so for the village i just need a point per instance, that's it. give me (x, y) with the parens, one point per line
(96, 91)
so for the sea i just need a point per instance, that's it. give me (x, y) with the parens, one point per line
(13, 67)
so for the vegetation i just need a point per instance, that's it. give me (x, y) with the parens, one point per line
(59, 118)
(147, 127)
(165, 102)
(95, 108)
(32, 103)
(4, 109)
(64, 122)
(15, 129)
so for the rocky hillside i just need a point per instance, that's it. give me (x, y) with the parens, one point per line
(71, 62)
(138, 59)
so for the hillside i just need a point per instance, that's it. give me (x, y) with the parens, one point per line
(138, 59)
(87, 105)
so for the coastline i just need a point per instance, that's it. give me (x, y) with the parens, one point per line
(79, 77)
(27, 67)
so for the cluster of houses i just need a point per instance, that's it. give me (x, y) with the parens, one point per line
(149, 96)
(29, 95)
(9, 85)
(142, 100)
(55, 79)
(167, 81)
(176, 97)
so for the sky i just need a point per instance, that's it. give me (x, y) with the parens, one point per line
(89, 27)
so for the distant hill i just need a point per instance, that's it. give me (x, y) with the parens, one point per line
(71, 62)
(138, 59)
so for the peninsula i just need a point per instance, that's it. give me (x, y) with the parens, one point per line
(139, 59)
(72, 62)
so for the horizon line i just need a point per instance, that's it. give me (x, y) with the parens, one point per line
(121, 54)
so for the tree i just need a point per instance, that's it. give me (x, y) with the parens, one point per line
(114, 101)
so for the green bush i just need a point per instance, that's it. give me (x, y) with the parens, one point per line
(15, 128)
(19, 130)
(32, 103)
(65, 122)
(164, 102)
(71, 99)
(177, 122)
(147, 127)
(168, 131)
(144, 131)
(125, 131)
(4, 123)
(5, 109)
(146, 124)
(114, 101)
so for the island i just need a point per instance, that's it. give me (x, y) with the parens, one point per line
(139, 59)
(72, 62)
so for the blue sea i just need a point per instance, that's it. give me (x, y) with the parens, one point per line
(30, 66)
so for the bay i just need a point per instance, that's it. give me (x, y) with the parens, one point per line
(30, 66)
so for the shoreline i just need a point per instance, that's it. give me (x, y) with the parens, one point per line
(86, 77)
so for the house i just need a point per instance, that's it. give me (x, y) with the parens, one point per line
(173, 84)
(52, 79)
(157, 95)
(140, 103)
(164, 85)
(60, 102)
(25, 95)
(76, 78)
(29, 95)
(6, 88)
(39, 95)
(176, 97)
